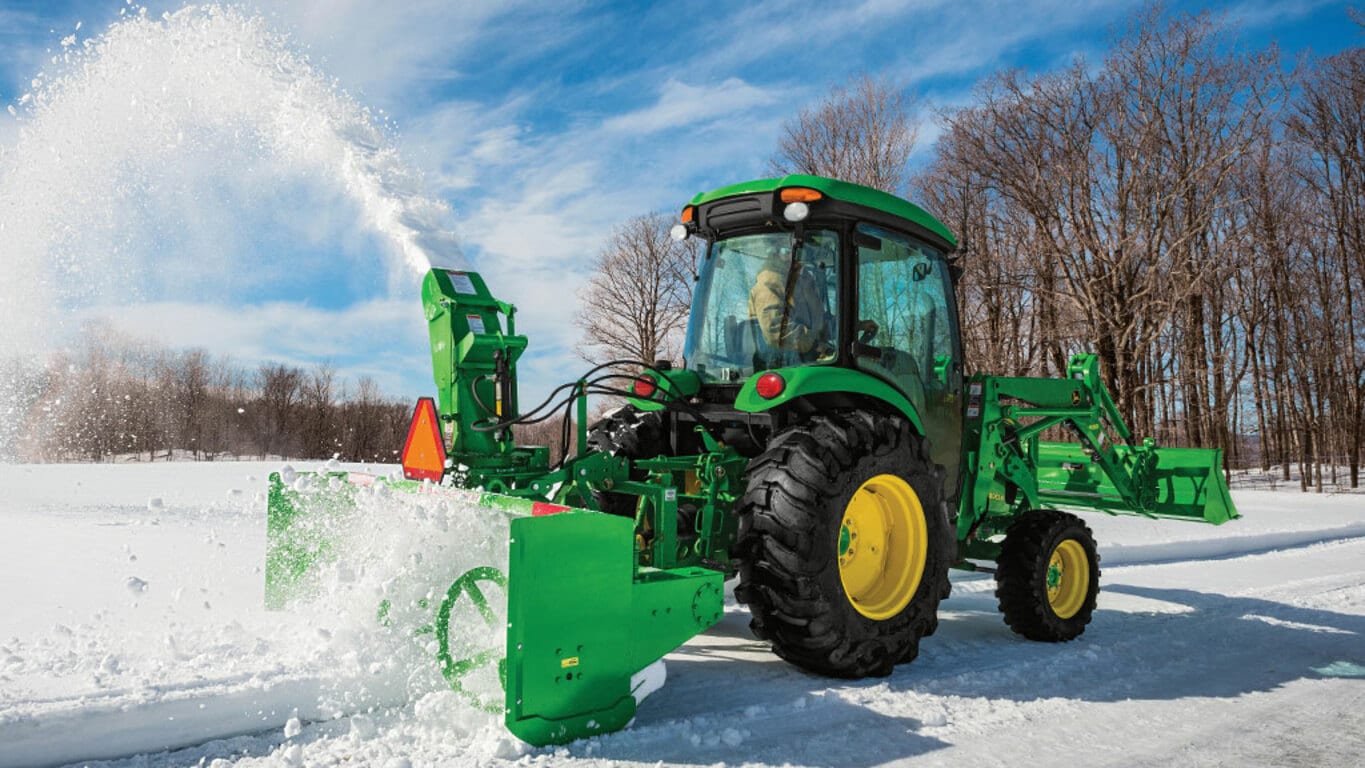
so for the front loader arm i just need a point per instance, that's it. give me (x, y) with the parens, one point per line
(1009, 469)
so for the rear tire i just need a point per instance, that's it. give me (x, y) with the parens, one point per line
(808, 495)
(631, 433)
(1048, 576)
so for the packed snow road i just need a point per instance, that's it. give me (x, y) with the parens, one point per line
(131, 631)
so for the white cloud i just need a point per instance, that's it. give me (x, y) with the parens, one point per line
(1264, 13)
(681, 105)
(965, 41)
(378, 50)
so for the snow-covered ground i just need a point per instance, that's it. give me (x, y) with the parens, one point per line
(131, 631)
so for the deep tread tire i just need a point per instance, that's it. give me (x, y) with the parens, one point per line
(790, 516)
(1022, 570)
(631, 433)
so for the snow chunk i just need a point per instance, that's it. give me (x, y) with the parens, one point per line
(362, 728)
(136, 586)
(293, 727)
(935, 720)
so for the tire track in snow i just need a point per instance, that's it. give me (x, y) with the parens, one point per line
(1226, 548)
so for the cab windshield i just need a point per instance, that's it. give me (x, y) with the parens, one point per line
(764, 301)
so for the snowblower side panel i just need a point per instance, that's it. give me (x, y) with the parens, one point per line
(582, 621)
(298, 536)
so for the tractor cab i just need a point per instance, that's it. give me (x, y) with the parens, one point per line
(817, 294)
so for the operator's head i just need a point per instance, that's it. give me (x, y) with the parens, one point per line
(776, 255)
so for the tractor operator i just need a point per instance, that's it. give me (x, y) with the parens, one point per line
(790, 306)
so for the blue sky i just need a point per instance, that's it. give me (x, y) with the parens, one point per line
(543, 125)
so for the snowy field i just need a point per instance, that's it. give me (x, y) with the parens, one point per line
(131, 632)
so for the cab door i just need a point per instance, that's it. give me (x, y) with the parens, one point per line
(906, 332)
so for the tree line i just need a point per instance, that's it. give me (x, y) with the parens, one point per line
(115, 398)
(1186, 208)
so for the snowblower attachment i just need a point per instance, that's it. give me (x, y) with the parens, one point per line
(555, 612)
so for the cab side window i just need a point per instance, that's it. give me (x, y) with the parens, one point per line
(904, 321)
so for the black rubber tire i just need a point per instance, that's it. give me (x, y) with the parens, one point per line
(631, 433)
(1022, 570)
(795, 499)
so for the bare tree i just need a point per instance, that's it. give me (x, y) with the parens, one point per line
(1120, 180)
(279, 386)
(318, 428)
(363, 421)
(636, 302)
(1330, 126)
(189, 375)
(862, 132)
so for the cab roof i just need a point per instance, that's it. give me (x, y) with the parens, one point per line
(843, 191)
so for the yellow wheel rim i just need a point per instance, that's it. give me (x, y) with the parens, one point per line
(1068, 578)
(883, 545)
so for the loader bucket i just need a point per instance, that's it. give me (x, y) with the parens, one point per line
(1189, 483)
(554, 626)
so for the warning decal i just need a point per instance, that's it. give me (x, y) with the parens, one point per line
(461, 283)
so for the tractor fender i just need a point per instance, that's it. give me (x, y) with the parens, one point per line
(813, 381)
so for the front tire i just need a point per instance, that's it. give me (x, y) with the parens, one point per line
(1048, 576)
(634, 434)
(845, 544)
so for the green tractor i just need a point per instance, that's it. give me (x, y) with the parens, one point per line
(820, 443)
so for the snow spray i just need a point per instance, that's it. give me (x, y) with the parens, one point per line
(412, 584)
(135, 137)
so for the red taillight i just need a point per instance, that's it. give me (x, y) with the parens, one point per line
(643, 386)
(770, 385)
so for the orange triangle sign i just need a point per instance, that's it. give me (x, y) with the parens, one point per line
(424, 454)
